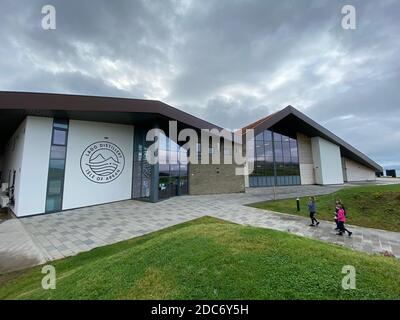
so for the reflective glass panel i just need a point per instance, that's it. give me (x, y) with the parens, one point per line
(59, 137)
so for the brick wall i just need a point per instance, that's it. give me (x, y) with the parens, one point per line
(214, 179)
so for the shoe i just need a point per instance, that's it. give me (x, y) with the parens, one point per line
(336, 228)
(312, 225)
(317, 223)
(339, 234)
(350, 233)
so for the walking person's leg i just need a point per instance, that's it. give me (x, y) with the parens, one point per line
(312, 219)
(340, 227)
(345, 230)
(315, 219)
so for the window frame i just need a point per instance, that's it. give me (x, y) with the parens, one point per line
(57, 123)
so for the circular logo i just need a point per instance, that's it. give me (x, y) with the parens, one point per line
(102, 162)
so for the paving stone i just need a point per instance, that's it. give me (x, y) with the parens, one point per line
(55, 236)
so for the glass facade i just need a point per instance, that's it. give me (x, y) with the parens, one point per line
(276, 160)
(173, 169)
(55, 180)
(142, 170)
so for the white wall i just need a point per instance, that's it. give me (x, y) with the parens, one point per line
(79, 191)
(327, 161)
(30, 159)
(305, 159)
(35, 165)
(357, 172)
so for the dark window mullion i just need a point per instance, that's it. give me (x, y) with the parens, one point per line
(56, 175)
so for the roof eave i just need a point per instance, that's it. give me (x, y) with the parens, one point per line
(280, 115)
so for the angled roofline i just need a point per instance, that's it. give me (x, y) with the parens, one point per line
(271, 120)
(72, 102)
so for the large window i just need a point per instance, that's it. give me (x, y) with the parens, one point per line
(58, 152)
(173, 169)
(142, 170)
(276, 160)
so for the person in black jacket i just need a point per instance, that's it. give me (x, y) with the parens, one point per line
(312, 208)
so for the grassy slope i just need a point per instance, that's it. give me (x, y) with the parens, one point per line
(369, 206)
(212, 259)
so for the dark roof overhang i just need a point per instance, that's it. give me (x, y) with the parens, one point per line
(15, 106)
(289, 121)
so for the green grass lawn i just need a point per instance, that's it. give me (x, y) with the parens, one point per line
(212, 259)
(369, 206)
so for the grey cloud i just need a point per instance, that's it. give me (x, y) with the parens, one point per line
(70, 82)
(230, 114)
(228, 61)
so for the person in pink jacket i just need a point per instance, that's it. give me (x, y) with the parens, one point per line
(341, 217)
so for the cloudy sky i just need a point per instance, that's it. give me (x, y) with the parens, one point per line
(227, 61)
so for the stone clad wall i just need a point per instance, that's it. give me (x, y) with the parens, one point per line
(214, 179)
(305, 159)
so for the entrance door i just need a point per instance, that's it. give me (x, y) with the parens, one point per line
(183, 185)
(167, 187)
(174, 183)
(163, 187)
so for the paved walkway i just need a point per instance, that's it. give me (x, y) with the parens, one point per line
(64, 234)
(17, 250)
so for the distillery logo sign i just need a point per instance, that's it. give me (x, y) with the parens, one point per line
(102, 162)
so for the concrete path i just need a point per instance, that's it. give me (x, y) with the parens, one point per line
(17, 249)
(64, 234)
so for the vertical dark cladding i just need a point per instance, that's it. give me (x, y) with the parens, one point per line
(58, 153)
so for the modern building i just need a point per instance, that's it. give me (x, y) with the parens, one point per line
(292, 149)
(391, 173)
(59, 152)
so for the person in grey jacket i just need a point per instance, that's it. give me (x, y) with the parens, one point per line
(312, 208)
